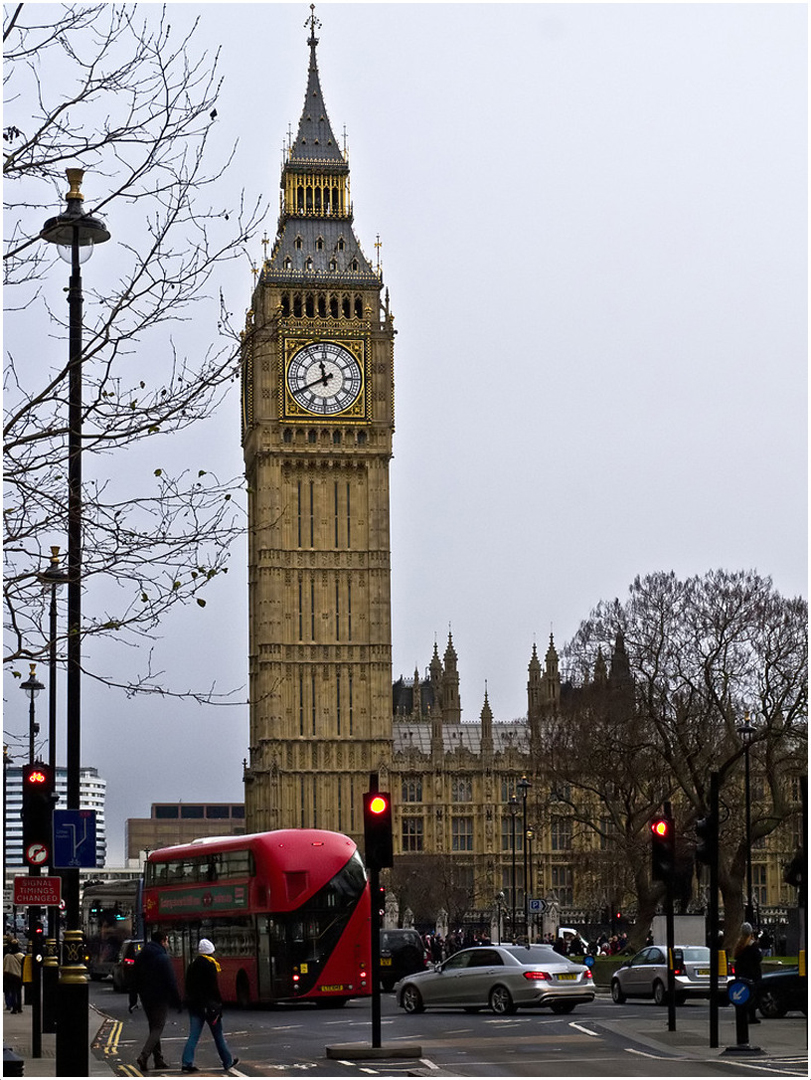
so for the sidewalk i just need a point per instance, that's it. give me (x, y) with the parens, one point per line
(787, 1037)
(17, 1036)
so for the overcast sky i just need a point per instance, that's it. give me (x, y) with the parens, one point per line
(594, 234)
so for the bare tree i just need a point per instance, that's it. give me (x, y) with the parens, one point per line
(702, 653)
(123, 95)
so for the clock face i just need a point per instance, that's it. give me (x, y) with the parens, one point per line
(324, 378)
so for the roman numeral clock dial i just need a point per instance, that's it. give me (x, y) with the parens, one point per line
(323, 379)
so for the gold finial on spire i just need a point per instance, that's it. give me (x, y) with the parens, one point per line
(313, 23)
(378, 246)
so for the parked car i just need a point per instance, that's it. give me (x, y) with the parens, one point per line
(783, 991)
(122, 971)
(503, 977)
(401, 953)
(645, 974)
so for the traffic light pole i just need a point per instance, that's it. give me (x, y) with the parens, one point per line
(374, 886)
(670, 931)
(714, 929)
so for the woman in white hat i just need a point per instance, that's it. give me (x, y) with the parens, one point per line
(205, 1007)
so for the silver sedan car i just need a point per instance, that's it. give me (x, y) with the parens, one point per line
(503, 977)
(645, 975)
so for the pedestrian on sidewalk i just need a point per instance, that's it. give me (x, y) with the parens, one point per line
(747, 966)
(153, 980)
(13, 976)
(204, 1003)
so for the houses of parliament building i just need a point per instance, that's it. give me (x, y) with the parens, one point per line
(318, 422)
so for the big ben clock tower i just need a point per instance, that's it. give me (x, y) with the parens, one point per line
(318, 418)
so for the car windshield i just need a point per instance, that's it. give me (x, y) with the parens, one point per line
(536, 954)
(696, 954)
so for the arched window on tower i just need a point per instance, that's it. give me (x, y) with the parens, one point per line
(333, 306)
(309, 197)
(358, 308)
(346, 309)
(318, 199)
(300, 197)
(285, 304)
(299, 243)
(322, 305)
(297, 305)
(310, 305)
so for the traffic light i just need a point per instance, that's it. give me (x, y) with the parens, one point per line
(37, 813)
(663, 849)
(707, 846)
(377, 829)
(794, 872)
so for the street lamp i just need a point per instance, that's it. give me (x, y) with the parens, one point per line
(746, 731)
(512, 807)
(75, 233)
(32, 687)
(524, 785)
(529, 836)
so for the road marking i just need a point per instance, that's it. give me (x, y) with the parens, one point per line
(428, 1063)
(656, 1057)
(594, 1034)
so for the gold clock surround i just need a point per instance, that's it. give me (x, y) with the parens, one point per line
(291, 410)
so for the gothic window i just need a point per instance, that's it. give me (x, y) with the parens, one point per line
(462, 834)
(346, 309)
(288, 435)
(288, 263)
(333, 300)
(299, 242)
(312, 436)
(340, 244)
(322, 305)
(308, 265)
(319, 243)
(336, 437)
(412, 834)
(318, 198)
(462, 789)
(300, 197)
(358, 308)
(335, 204)
(310, 303)
(333, 265)
(286, 296)
(297, 305)
(563, 885)
(361, 438)
(561, 832)
(412, 790)
(507, 834)
(354, 264)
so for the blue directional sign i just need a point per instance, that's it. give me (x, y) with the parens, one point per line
(74, 838)
(739, 992)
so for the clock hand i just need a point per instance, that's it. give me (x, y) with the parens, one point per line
(323, 378)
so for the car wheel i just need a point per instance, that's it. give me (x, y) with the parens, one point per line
(617, 993)
(501, 1001)
(411, 1000)
(563, 1006)
(659, 993)
(771, 1006)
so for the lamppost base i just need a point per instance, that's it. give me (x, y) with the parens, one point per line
(73, 999)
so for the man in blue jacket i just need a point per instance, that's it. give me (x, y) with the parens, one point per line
(153, 980)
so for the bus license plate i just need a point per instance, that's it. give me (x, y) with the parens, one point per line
(385, 961)
(702, 971)
(329, 989)
(572, 976)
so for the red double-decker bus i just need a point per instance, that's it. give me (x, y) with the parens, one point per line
(288, 912)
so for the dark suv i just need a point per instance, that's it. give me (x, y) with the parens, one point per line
(122, 972)
(401, 953)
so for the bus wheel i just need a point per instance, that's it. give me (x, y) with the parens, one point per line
(243, 991)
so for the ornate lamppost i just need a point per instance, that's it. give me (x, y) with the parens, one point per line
(529, 836)
(75, 233)
(523, 786)
(512, 807)
(32, 687)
